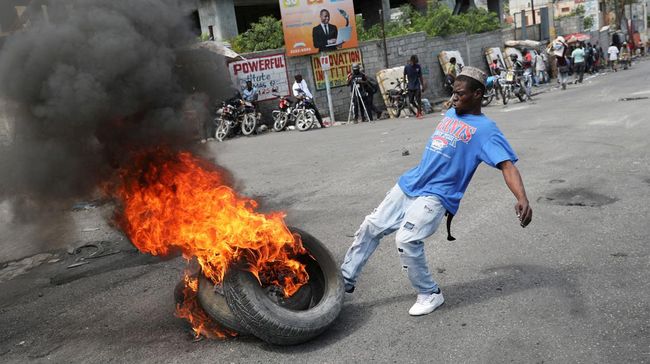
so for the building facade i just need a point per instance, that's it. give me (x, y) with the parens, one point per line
(224, 19)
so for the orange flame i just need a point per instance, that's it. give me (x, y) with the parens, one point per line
(174, 201)
(191, 310)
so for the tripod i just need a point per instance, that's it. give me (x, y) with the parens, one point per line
(356, 92)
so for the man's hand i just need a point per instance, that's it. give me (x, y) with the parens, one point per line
(516, 185)
(524, 212)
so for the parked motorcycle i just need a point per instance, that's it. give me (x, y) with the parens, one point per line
(284, 114)
(303, 113)
(398, 99)
(492, 90)
(512, 86)
(235, 114)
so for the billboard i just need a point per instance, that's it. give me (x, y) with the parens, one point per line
(265, 72)
(312, 26)
(340, 65)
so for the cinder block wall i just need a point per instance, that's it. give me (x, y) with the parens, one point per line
(400, 50)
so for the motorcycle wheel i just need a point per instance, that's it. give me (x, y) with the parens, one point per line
(503, 95)
(223, 130)
(521, 91)
(248, 124)
(507, 95)
(487, 99)
(280, 121)
(305, 120)
(396, 109)
(521, 95)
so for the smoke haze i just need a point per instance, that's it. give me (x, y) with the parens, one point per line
(88, 87)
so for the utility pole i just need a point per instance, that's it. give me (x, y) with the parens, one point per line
(325, 67)
(532, 8)
(383, 37)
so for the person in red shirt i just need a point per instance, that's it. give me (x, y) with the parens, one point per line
(495, 68)
(529, 75)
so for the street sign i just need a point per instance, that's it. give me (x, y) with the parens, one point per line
(325, 63)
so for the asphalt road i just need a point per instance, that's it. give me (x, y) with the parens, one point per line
(572, 287)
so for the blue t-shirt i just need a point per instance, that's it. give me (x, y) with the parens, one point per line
(456, 148)
(413, 73)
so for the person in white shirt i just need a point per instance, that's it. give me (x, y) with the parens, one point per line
(613, 56)
(299, 89)
(540, 69)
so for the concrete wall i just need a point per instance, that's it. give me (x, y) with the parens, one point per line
(569, 25)
(220, 14)
(532, 32)
(400, 49)
(603, 39)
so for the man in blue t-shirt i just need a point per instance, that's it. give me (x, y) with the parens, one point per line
(414, 83)
(415, 206)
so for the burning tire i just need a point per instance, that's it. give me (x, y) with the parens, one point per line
(278, 324)
(214, 303)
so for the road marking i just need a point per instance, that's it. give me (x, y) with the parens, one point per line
(644, 92)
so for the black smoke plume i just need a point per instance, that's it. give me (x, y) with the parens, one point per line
(94, 82)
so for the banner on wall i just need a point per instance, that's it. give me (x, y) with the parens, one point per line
(340, 65)
(266, 73)
(312, 26)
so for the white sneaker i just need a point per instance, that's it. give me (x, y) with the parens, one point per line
(426, 303)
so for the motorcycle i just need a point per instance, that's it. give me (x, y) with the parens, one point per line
(398, 99)
(235, 112)
(303, 113)
(512, 86)
(526, 81)
(492, 90)
(284, 114)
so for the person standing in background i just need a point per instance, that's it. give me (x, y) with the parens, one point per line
(540, 69)
(415, 83)
(559, 49)
(613, 57)
(578, 56)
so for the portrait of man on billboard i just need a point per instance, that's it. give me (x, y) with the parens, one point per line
(324, 34)
(330, 24)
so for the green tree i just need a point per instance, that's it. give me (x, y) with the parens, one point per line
(587, 22)
(266, 33)
(618, 6)
(437, 20)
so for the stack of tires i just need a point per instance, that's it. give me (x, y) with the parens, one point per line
(242, 306)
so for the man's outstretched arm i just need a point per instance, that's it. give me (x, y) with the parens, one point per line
(516, 185)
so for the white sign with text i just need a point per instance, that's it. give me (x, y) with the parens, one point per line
(266, 73)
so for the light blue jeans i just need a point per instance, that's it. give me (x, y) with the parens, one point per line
(414, 219)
